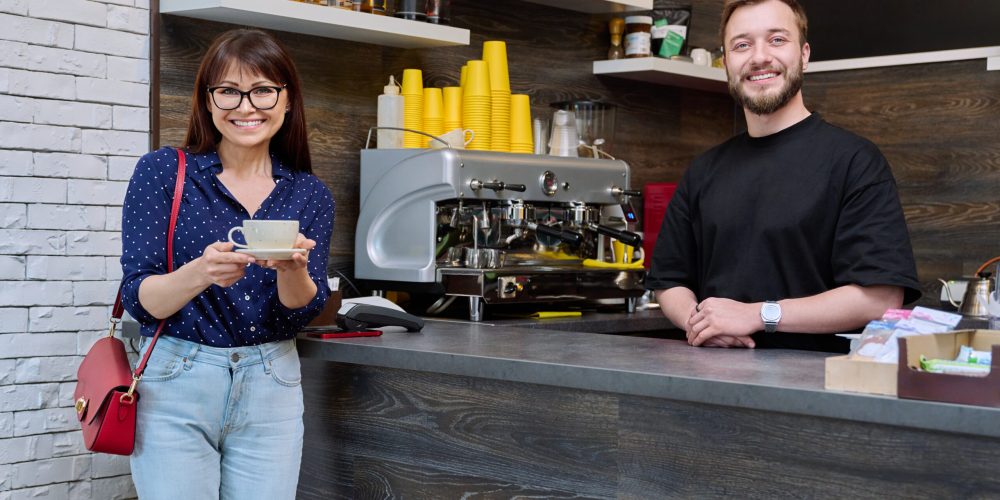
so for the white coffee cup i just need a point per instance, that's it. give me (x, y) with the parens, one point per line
(456, 139)
(701, 57)
(266, 234)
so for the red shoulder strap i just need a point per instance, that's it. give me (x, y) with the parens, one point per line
(174, 209)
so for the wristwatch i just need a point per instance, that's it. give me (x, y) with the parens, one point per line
(770, 314)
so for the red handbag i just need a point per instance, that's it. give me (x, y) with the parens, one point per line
(106, 399)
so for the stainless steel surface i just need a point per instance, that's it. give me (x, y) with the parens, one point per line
(542, 283)
(522, 215)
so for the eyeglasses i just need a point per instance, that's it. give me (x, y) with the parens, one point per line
(262, 98)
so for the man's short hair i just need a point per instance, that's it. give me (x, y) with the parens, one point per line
(731, 6)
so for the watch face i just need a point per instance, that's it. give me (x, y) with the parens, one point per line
(770, 312)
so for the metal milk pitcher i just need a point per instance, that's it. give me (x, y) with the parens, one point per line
(977, 297)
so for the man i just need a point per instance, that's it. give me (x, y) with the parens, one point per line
(791, 229)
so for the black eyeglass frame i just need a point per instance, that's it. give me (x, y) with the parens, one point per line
(276, 88)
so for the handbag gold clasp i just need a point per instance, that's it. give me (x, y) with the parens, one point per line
(129, 397)
(114, 325)
(81, 406)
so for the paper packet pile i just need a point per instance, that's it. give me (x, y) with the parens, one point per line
(878, 341)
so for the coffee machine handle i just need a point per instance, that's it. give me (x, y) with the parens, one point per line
(570, 237)
(626, 237)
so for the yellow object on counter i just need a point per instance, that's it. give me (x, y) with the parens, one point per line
(556, 314)
(560, 255)
(637, 265)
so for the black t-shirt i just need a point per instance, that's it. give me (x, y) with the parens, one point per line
(792, 214)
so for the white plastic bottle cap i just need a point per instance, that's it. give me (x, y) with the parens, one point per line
(392, 88)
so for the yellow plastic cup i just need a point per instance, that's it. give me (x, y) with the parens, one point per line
(413, 82)
(413, 119)
(433, 103)
(463, 75)
(452, 106)
(433, 112)
(495, 55)
(520, 120)
(477, 82)
(500, 122)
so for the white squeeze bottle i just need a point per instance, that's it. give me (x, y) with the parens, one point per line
(390, 114)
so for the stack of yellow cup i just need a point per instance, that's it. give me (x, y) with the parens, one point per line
(520, 124)
(495, 55)
(476, 105)
(433, 114)
(413, 108)
(452, 108)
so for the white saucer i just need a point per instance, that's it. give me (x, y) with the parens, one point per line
(271, 253)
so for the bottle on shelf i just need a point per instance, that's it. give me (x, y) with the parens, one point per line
(413, 10)
(390, 114)
(376, 7)
(616, 26)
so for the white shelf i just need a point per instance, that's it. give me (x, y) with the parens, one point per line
(904, 59)
(319, 20)
(665, 72)
(598, 6)
(685, 74)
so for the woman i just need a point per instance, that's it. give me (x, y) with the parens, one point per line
(220, 413)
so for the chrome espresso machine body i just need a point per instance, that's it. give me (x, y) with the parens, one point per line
(498, 228)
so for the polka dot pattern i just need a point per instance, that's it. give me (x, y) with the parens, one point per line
(248, 312)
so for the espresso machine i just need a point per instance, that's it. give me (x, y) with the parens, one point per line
(497, 228)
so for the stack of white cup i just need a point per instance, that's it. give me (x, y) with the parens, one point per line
(564, 139)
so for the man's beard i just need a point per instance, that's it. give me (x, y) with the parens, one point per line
(767, 103)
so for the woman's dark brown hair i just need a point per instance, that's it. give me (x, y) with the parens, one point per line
(257, 52)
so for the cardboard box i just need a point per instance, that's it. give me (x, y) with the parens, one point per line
(961, 389)
(860, 375)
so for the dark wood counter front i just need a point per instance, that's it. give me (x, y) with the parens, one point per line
(501, 411)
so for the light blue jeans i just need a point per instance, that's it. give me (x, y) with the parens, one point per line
(218, 422)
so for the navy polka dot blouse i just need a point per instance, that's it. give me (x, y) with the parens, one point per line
(248, 312)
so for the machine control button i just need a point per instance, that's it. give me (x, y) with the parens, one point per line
(509, 287)
(549, 183)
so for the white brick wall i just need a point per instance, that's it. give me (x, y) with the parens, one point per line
(74, 118)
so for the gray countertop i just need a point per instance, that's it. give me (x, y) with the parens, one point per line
(773, 380)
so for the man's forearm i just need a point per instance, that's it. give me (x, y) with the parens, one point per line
(676, 304)
(842, 309)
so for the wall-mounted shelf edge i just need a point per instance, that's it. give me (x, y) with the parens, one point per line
(665, 72)
(688, 75)
(904, 59)
(318, 20)
(598, 6)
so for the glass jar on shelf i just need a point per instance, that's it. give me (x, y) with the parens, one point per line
(414, 10)
(438, 11)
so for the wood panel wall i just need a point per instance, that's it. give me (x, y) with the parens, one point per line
(659, 129)
(936, 123)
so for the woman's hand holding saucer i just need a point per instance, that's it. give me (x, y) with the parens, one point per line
(298, 260)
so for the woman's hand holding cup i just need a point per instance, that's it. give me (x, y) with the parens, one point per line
(221, 266)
